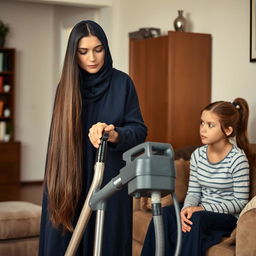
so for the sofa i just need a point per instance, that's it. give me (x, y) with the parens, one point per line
(19, 228)
(242, 241)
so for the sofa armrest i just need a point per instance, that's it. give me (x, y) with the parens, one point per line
(246, 234)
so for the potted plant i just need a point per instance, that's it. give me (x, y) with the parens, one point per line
(4, 29)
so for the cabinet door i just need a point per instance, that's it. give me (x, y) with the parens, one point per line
(137, 70)
(189, 85)
(9, 163)
(148, 69)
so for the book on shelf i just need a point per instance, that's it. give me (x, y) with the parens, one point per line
(2, 130)
(1, 108)
(1, 61)
(5, 62)
(1, 83)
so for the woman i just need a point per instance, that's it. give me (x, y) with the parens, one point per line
(218, 184)
(91, 97)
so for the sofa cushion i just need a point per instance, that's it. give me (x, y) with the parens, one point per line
(141, 221)
(19, 219)
(224, 248)
(20, 247)
(136, 248)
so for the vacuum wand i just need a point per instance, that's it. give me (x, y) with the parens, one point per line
(86, 210)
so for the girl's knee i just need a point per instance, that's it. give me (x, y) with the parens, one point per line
(197, 217)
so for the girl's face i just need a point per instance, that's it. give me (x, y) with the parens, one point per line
(90, 54)
(210, 128)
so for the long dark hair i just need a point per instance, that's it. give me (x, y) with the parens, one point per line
(235, 115)
(64, 156)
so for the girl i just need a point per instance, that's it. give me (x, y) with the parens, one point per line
(91, 97)
(218, 185)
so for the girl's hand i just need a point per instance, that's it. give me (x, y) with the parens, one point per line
(185, 216)
(96, 131)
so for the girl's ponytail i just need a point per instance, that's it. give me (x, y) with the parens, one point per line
(241, 133)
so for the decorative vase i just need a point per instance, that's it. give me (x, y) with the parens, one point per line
(180, 22)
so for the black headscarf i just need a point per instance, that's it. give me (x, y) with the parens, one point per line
(93, 86)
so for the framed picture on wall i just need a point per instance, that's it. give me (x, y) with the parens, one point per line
(252, 30)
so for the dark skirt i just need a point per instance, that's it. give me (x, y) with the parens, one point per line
(207, 230)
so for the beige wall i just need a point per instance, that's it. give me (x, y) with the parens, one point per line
(39, 33)
(228, 22)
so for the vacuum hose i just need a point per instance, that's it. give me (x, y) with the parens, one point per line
(177, 212)
(158, 222)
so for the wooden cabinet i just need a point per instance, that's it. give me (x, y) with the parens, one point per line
(9, 163)
(9, 148)
(172, 75)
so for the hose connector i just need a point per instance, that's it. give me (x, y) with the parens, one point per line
(156, 203)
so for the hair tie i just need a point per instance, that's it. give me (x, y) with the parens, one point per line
(236, 105)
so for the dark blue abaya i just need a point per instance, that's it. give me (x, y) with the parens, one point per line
(118, 106)
(112, 99)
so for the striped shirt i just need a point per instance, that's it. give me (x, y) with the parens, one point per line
(221, 187)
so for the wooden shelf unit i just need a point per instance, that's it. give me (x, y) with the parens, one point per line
(10, 154)
(7, 77)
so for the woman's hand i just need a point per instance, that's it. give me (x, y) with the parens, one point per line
(185, 216)
(96, 131)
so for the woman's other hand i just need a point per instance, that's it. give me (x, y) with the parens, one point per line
(96, 131)
(186, 215)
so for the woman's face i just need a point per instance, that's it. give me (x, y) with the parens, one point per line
(90, 54)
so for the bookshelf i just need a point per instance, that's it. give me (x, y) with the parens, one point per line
(9, 148)
(7, 82)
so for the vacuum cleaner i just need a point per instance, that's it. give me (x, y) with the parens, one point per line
(149, 172)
